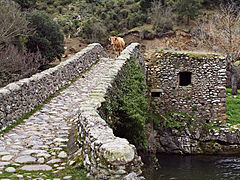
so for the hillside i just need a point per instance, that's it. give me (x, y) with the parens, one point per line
(135, 20)
(164, 24)
(94, 20)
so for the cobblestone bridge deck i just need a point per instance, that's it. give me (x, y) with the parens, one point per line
(39, 143)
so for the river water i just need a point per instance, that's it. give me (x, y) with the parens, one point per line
(197, 167)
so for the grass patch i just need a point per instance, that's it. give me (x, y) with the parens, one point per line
(37, 108)
(237, 63)
(76, 173)
(200, 55)
(145, 27)
(25, 116)
(197, 55)
(178, 120)
(211, 125)
(233, 107)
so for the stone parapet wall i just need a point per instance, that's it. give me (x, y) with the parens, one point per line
(22, 96)
(203, 98)
(104, 155)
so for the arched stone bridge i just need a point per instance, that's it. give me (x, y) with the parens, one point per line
(41, 141)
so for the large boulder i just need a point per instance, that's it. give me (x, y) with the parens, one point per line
(195, 137)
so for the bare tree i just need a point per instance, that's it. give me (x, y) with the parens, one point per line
(162, 17)
(12, 23)
(13, 60)
(18, 64)
(221, 32)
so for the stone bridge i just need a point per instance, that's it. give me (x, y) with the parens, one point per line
(66, 130)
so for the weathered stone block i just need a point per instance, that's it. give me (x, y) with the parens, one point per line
(117, 152)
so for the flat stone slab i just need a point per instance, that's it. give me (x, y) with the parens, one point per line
(46, 155)
(41, 160)
(10, 169)
(60, 140)
(7, 158)
(4, 153)
(32, 151)
(20, 176)
(67, 177)
(4, 163)
(36, 167)
(62, 154)
(25, 159)
(53, 161)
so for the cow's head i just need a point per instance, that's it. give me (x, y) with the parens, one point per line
(113, 39)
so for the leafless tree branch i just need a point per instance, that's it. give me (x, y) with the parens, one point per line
(13, 23)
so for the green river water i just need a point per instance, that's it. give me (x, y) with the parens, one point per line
(197, 167)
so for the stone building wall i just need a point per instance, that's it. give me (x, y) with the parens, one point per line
(204, 97)
(22, 96)
(104, 155)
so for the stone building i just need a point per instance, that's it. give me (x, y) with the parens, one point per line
(189, 83)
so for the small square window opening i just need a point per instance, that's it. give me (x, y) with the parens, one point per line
(185, 78)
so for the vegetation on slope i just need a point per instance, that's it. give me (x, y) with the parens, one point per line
(47, 37)
(95, 20)
(28, 40)
(126, 107)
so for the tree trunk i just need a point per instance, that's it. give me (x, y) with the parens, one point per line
(234, 80)
(188, 20)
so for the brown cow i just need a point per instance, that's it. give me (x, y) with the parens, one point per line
(118, 44)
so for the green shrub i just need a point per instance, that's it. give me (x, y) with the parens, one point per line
(47, 37)
(124, 13)
(126, 107)
(60, 10)
(120, 4)
(103, 15)
(26, 4)
(134, 19)
(189, 9)
(93, 31)
(49, 2)
(145, 4)
(179, 120)
(128, 2)
(135, 8)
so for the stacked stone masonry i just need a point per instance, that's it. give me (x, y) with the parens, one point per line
(204, 96)
(104, 155)
(22, 96)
